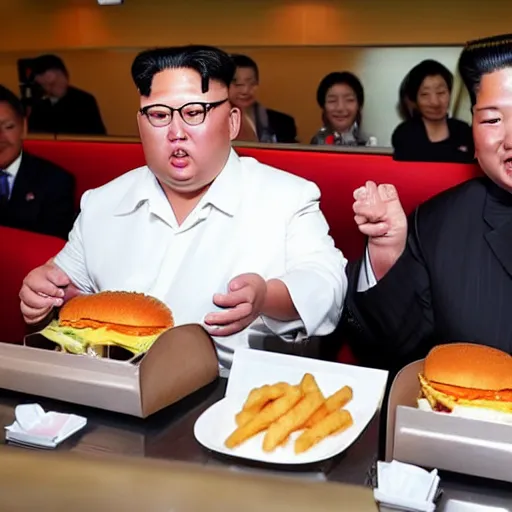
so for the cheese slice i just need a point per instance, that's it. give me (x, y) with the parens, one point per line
(77, 341)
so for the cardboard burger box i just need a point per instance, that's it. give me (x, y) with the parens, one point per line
(182, 360)
(440, 440)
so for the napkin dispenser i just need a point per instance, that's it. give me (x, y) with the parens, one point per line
(441, 440)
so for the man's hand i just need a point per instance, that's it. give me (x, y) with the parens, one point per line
(380, 216)
(43, 289)
(243, 302)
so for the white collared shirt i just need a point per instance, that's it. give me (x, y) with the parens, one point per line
(12, 171)
(253, 218)
(366, 279)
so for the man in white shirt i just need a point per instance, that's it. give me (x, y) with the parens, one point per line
(237, 246)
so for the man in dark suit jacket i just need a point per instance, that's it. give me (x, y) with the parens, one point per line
(62, 108)
(446, 274)
(452, 282)
(35, 195)
(258, 123)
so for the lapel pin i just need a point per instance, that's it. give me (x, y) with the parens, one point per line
(30, 196)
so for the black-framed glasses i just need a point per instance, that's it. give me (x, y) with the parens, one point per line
(192, 113)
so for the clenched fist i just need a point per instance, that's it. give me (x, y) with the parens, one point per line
(380, 216)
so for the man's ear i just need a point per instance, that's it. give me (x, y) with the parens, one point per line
(235, 120)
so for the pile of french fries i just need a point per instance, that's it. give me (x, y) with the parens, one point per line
(281, 409)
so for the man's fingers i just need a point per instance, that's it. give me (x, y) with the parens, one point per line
(71, 291)
(373, 213)
(41, 286)
(374, 230)
(56, 276)
(229, 329)
(229, 316)
(387, 192)
(233, 299)
(37, 301)
(360, 219)
(33, 316)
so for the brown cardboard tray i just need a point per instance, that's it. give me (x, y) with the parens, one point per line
(182, 360)
(440, 440)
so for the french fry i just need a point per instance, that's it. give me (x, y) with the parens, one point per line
(333, 403)
(289, 422)
(334, 422)
(259, 397)
(243, 417)
(272, 412)
(308, 384)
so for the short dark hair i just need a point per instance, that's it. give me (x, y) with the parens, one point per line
(210, 62)
(340, 77)
(7, 96)
(244, 61)
(482, 56)
(45, 63)
(421, 71)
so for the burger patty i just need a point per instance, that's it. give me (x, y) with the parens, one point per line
(456, 392)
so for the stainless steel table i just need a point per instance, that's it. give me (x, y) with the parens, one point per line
(169, 435)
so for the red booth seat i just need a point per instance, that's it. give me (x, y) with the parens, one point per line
(21, 252)
(337, 174)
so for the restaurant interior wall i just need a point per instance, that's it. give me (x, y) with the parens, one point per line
(295, 43)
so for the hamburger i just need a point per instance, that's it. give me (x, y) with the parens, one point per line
(87, 323)
(466, 375)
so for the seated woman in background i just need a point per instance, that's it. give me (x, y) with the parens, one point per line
(258, 123)
(430, 135)
(340, 95)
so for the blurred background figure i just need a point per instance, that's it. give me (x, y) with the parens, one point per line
(60, 107)
(405, 106)
(259, 124)
(340, 95)
(35, 195)
(430, 134)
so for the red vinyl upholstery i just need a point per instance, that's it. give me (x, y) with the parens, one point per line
(336, 174)
(21, 252)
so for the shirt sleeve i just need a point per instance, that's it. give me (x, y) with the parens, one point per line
(366, 278)
(71, 259)
(315, 272)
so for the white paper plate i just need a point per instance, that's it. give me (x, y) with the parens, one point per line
(251, 370)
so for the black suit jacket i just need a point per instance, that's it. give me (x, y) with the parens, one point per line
(283, 126)
(452, 283)
(42, 198)
(411, 143)
(76, 113)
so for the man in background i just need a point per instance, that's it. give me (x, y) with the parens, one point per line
(62, 108)
(35, 194)
(259, 124)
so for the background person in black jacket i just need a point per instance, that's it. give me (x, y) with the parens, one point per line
(258, 123)
(62, 108)
(430, 135)
(446, 273)
(35, 194)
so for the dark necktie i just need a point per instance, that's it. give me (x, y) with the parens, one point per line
(4, 188)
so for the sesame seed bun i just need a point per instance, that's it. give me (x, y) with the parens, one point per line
(125, 312)
(469, 365)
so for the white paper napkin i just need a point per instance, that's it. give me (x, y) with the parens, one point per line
(35, 427)
(406, 487)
